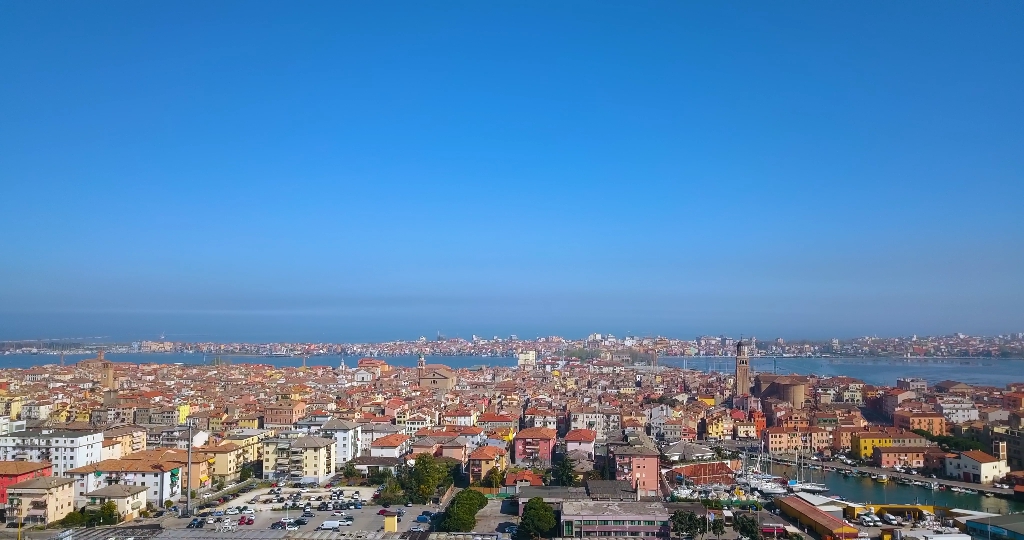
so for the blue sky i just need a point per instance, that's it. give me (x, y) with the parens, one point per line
(378, 170)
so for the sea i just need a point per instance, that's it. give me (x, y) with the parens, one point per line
(877, 371)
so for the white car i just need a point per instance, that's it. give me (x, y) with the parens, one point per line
(231, 512)
(286, 520)
(249, 511)
(304, 490)
(290, 527)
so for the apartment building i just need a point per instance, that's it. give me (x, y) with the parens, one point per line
(40, 501)
(347, 435)
(605, 422)
(933, 423)
(781, 440)
(161, 478)
(302, 459)
(64, 449)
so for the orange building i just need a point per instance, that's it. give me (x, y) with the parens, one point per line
(933, 423)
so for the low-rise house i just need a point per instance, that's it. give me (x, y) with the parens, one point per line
(129, 500)
(394, 446)
(484, 459)
(976, 466)
(581, 440)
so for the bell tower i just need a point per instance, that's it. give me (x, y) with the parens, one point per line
(742, 384)
(421, 365)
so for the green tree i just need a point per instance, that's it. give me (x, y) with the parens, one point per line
(747, 527)
(458, 518)
(349, 471)
(425, 477)
(687, 523)
(108, 514)
(245, 474)
(564, 472)
(718, 527)
(538, 520)
(168, 504)
(494, 478)
(380, 476)
(461, 513)
(74, 519)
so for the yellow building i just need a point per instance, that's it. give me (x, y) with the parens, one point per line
(714, 427)
(42, 500)
(707, 400)
(249, 422)
(863, 444)
(183, 411)
(11, 405)
(228, 460)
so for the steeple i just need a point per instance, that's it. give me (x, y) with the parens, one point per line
(421, 365)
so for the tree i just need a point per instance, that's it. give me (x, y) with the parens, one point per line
(747, 527)
(245, 474)
(349, 471)
(538, 520)
(168, 504)
(565, 472)
(108, 514)
(494, 478)
(687, 523)
(458, 519)
(73, 519)
(718, 527)
(425, 477)
(461, 513)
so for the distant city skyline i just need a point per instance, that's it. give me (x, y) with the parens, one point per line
(361, 172)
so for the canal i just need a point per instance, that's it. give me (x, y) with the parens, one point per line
(863, 489)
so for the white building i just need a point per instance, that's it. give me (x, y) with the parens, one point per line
(527, 360)
(347, 435)
(363, 376)
(372, 432)
(64, 449)
(162, 482)
(977, 466)
(958, 411)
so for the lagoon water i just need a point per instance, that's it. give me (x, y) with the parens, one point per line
(878, 371)
(865, 490)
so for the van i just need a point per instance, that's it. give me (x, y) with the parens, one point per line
(330, 525)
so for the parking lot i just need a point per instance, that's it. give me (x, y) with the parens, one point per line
(265, 512)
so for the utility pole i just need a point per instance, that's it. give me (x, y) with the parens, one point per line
(188, 488)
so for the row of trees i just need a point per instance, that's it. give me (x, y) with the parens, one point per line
(687, 523)
(106, 515)
(950, 442)
(418, 483)
(461, 513)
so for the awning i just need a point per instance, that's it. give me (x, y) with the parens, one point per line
(204, 478)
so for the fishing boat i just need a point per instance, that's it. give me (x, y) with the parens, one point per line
(881, 479)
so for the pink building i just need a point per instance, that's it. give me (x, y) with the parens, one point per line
(639, 466)
(535, 446)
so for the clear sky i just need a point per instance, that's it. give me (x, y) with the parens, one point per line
(375, 170)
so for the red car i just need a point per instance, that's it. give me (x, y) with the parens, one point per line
(382, 511)
(246, 520)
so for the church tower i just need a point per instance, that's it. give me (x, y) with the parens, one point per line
(421, 365)
(742, 370)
